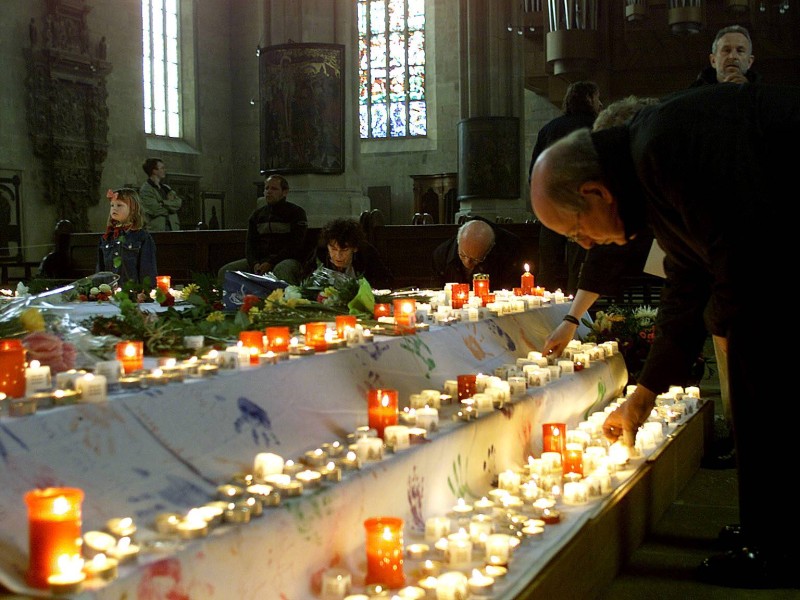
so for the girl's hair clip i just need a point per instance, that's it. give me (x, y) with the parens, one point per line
(112, 195)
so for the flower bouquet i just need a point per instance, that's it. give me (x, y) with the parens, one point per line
(633, 328)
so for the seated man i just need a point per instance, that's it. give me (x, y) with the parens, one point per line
(343, 247)
(275, 236)
(480, 247)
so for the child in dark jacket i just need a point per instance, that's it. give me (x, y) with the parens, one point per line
(126, 248)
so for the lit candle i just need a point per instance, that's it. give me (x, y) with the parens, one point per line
(573, 458)
(69, 577)
(37, 378)
(110, 369)
(343, 324)
(125, 550)
(253, 342)
(554, 436)
(54, 529)
(93, 388)
(405, 315)
(315, 336)
(384, 545)
(164, 282)
(480, 285)
(467, 386)
(102, 567)
(480, 584)
(267, 463)
(381, 310)
(309, 478)
(460, 295)
(131, 354)
(12, 368)
(381, 409)
(278, 339)
(452, 586)
(527, 281)
(121, 527)
(335, 584)
(498, 549)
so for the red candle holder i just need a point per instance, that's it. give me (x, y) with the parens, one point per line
(381, 409)
(315, 336)
(382, 310)
(480, 285)
(12, 368)
(54, 530)
(467, 386)
(572, 461)
(527, 281)
(517, 291)
(385, 552)
(277, 339)
(405, 315)
(163, 282)
(459, 295)
(131, 355)
(343, 323)
(554, 437)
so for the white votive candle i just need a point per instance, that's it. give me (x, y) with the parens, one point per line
(92, 387)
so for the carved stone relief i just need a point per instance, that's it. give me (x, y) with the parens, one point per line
(66, 107)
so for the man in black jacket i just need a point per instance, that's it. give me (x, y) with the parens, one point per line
(480, 247)
(559, 260)
(708, 171)
(275, 236)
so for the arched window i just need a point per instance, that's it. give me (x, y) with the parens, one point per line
(391, 69)
(161, 67)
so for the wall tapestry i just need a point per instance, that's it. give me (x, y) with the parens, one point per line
(302, 108)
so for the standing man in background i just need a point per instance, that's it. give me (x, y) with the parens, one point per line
(159, 201)
(731, 58)
(559, 259)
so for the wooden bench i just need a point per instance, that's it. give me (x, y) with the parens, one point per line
(408, 249)
(180, 254)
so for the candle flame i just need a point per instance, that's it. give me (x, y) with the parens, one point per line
(61, 505)
(70, 564)
(527, 268)
(387, 534)
(99, 561)
(34, 364)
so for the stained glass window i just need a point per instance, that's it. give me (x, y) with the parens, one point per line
(161, 67)
(391, 69)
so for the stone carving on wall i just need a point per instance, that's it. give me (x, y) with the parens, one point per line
(66, 107)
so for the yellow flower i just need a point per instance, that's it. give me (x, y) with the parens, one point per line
(216, 317)
(32, 320)
(276, 295)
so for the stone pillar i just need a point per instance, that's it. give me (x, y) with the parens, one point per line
(492, 102)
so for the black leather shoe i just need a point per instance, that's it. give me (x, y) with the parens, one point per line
(751, 569)
(731, 537)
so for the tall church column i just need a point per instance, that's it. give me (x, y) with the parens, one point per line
(490, 163)
(324, 196)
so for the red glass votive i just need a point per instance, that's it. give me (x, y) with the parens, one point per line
(405, 315)
(381, 409)
(480, 286)
(12, 368)
(131, 355)
(54, 530)
(277, 339)
(467, 386)
(344, 322)
(526, 282)
(538, 291)
(315, 336)
(572, 461)
(517, 291)
(163, 282)
(554, 437)
(253, 341)
(382, 310)
(385, 552)
(459, 295)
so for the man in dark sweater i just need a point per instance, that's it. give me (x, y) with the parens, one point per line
(731, 58)
(275, 236)
(700, 168)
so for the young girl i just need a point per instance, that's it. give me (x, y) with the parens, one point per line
(126, 248)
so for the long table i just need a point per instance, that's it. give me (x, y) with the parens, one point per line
(166, 449)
